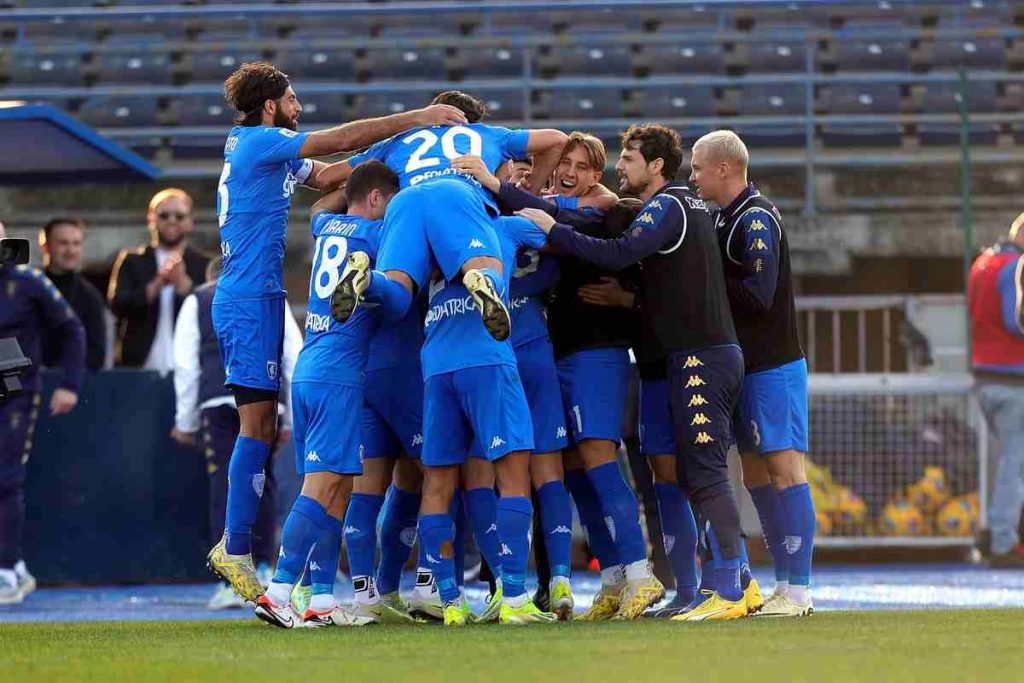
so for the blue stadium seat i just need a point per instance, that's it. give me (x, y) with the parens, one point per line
(774, 100)
(408, 61)
(867, 99)
(694, 100)
(858, 48)
(972, 53)
(942, 98)
(216, 63)
(583, 104)
(119, 111)
(776, 56)
(382, 104)
(203, 110)
(323, 108)
(302, 63)
(495, 62)
(28, 67)
(605, 60)
(503, 105)
(698, 58)
(133, 67)
(200, 146)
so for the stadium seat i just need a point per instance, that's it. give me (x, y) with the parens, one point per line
(216, 63)
(776, 56)
(504, 105)
(942, 98)
(133, 67)
(203, 110)
(382, 104)
(583, 104)
(866, 99)
(972, 53)
(682, 102)
(494, 62)
(579, 60)
(323, 108)
(312, 63)
(696, 58)
(858, 49)
(773, 100)
(28, 67)
(119, 111)
(408, 61)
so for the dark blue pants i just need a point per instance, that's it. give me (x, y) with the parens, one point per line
(17, 425)
(704, 387)
(220, 426)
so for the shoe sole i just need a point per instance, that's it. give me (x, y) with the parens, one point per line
(424, 615)
(492, 308)
(269, 617)
(345, 298)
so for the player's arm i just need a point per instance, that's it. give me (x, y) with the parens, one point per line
(333, 176)
(546, 146)
(358, 134)
(653, 229)
(187, 371)
(332, 202)
(60, 321)
(1011, 295)
(312, 180)
(598, 197)
(760, 261)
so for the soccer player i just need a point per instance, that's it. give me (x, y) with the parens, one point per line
(327, 406)
(685, 318)
(444, 212)
(265, 157)
(771, 422)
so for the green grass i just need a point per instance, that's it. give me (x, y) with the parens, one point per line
(927, 646)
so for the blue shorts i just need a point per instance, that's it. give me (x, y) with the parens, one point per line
(250, 333)
(487, 401)
(536, 362)
(594, 385)
(328, 428)
(657, 436)
(393, 412)
(442, 221)
(772, 411)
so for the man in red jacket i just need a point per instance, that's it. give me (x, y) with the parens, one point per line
(995, 294)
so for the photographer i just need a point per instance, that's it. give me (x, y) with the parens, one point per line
(30, 307)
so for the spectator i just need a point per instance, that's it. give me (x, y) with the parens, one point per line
(205, 405)
(995, 296)
(30, 308)
(61, 243)
(149, 284)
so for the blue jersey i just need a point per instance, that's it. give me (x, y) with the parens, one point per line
(455, 336)
(261, 170)
(397, 344)
(425, 154)
(534, 275)
(336, 352)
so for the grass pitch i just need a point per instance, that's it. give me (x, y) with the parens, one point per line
(900, 646)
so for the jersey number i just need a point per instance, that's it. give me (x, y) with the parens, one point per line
(222, 192)
(428, 139)
(330, 254)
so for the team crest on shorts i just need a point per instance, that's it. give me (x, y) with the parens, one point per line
(272, 369)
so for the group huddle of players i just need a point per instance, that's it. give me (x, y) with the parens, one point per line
(474, 296)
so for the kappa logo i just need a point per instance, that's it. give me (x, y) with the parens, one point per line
(561, 433)
(758, 245)
(645, 217)
(670, 542)
(697, 400)
(505, 551)
(351, 530)
(313, 456)
(693, 362)
(757, 225)
(476, 244)
(700, 419)
(493, 528)
(702, 439)
(496, 442)
(695, 381)
(417, 440)
(793, 544)
(654, 204)
(561, 529)
(432, 560)
(314, 567)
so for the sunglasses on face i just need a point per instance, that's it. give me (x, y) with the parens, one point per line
(168, 215)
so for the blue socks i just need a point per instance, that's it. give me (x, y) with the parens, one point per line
(556, 520)
(768, 504)
(397, 536)
(621, 512)
(800, 520)
(394, 299)
(745, 575)
(437, 538)
(361, 533)
(482, 511)
(680, 536)
(515, 517)
(302, 529)
(497, 279)
(323, 563)
(245, 487)
(458, 514)
(591, 518)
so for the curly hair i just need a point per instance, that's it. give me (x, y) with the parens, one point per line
(250, 86)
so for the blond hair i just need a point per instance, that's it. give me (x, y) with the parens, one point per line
(1015, 229)
(597, 157)
(725, 145)
(169, 193)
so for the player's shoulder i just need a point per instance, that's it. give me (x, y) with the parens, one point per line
(760, 217)
(26, 272)
(677, 195)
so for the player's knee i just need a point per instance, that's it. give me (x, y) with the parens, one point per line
(439, 485)
(786, 469)
(513, 474)
(408, 476)
(375, 477)
(755, 470)
(545, 468)
(327, 488)
(597, 452)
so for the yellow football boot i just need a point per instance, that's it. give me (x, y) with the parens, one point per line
(237, 570)
(753, 597)
(715, 608)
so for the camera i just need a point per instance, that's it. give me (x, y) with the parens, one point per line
(12, 361)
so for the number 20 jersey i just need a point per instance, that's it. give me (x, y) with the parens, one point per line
(334, 352)
(425, 154)
(261, 169)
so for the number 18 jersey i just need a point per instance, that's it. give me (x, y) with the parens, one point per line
(334, 352)
(425, 154)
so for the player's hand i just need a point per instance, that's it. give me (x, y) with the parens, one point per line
(183, 438)
(606, 293)
(542, 219)
(440, 115)
(473, 165)
(63, 402)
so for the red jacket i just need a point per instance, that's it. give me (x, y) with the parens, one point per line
(994, 298)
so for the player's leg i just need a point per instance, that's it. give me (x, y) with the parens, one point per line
(18, 416)
(703, 389)
(250, 334)
(364, 508)
(481, 500)
(398, 528)
(219, 431)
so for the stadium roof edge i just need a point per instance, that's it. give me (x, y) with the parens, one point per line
(371, 9)
(39, 143)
